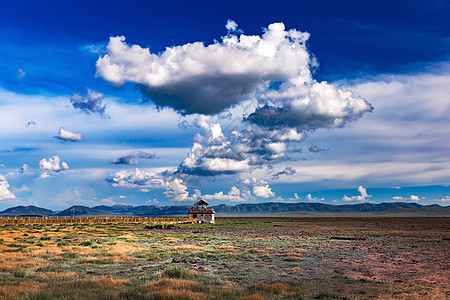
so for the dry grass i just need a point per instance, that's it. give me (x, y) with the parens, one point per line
(10, 291)
(167, 288)
(170, 239)
(186, 249)
(109, 283)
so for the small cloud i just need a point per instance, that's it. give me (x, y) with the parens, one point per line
(313, 199)
(144, 190)
(4, 189)
(396, 187)
(130, 158)
(314, 148)
(31, 123)
(2, 166)
(231, 25)
(363, 197)
(122, 196)
(20, 74)
(411, 198)
(66, 135)
(52, 165)
(24, 168)
(91, 103)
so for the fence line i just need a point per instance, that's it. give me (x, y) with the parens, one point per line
(92, 220)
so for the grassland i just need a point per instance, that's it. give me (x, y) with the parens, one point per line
(251, 258)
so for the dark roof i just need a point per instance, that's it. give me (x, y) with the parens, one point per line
(201, 202)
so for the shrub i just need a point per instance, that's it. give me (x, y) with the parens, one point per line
(86, 243)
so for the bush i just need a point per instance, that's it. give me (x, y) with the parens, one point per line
(86, 243)
(176, 272)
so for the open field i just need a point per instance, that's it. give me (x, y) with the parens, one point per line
(250, 258)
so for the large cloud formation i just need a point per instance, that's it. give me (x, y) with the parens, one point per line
(194, 78)
(271, 70)
(4, 192)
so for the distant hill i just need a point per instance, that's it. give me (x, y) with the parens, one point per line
(258, 209)
(317, 209)
(79, 211)
(26, 211)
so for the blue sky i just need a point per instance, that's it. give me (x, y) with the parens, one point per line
(162, 103)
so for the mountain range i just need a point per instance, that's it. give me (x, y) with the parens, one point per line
(259, 209)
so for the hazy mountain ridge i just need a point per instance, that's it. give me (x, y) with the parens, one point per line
(258, 209)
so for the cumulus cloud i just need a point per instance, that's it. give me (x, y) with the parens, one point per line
(52, 165)
(66, 135)
(309, 106)
(289, 171)
(314, 148)
(213, 153)
(4, 192)
(91, 103)
(234, 195)
(175, 188)
(24, 168)
(131, 158)
(260, 188)
(314, 199)
(411, 198)
(194, 78)
(363, 197)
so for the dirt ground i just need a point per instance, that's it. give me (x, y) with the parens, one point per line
(236, 258)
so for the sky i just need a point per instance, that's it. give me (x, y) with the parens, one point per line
(148, 103)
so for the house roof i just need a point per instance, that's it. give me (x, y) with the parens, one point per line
(201, 202)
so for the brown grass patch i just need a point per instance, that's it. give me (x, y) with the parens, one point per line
(124, 258)
(166, 288)
(227, 248)
(255, 250)
(186, 248)
(277, 288)
(170, 239)
(124, 248)
(16, 291)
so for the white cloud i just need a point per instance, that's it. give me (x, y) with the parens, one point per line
(66, 135)
(314, 199)
(231, 25)
(234, 195)
(175, 188)
(396, 187)
(363, 197)
(53, 164)
(411, 198)
(260, 188)
(4, 192)
(194, 78)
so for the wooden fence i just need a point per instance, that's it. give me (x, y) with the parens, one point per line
(91, 220)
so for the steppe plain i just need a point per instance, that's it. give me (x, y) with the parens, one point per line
(236, 258)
